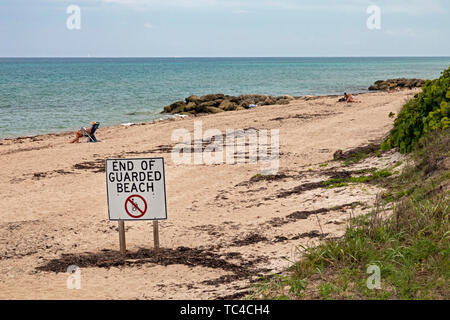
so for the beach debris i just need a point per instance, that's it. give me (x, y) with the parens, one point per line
(128, 124)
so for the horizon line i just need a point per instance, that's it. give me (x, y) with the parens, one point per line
(203, 57)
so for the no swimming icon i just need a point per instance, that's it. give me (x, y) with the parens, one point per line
(135, 206)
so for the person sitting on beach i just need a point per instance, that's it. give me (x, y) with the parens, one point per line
(349, 98)
(83, 131)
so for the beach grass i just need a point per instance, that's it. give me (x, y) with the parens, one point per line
(410, 246)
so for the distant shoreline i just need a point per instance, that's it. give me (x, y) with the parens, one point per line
(171, 118)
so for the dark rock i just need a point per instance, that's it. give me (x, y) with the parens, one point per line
(399, 83)
(202, 107)
(246, 100)
(210, 97)
(213, 110)
(227, 105)
(177, 107)
(283, 101)
(190, 107)
(212, 103)
(269, 101)
(246, 103)
(192, 98)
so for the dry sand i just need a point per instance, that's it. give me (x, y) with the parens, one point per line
(222, 229)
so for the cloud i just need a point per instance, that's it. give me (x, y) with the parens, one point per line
(148, 25)
(406, 32)
(410, 7)
(165, 3)
(414, 7)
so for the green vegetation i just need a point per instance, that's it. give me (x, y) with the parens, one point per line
(428, 111)
(340, 182)
(397, 164)
(411, 246)
(260, 176)
(360, 156)
(267, 177)
(355, 158)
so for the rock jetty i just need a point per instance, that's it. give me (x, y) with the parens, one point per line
(400, 83)
(215, 103)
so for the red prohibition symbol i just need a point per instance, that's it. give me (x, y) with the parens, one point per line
(138, 204)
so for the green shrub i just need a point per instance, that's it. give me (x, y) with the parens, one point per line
(428, 111)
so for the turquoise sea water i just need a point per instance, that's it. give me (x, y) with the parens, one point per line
(40, 95)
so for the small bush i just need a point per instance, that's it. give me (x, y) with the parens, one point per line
(428, 111)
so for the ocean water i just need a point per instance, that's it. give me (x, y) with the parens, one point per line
(41, 95)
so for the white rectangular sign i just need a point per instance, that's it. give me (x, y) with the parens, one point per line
(136, 189)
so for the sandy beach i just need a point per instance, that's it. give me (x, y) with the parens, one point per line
(223, 229)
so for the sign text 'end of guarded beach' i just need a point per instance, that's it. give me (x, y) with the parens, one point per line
(136, 189)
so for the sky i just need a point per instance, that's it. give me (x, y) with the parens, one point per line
(220, 28)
